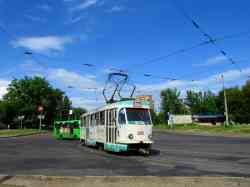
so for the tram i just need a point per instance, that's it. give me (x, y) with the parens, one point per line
(120, 126)
(69, 129)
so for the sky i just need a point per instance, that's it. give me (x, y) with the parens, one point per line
(64, 35)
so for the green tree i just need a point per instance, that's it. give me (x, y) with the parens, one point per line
(64, 108)
(25, 95)
(246, 95)
(236, 104)
(170, 102)
(77, 112)
(202, 102)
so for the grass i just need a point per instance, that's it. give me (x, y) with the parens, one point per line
(18, 132)
(235, 130)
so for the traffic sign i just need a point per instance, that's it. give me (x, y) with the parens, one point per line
(41, 116)
(40, 109)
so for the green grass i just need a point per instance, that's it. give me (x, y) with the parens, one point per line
(236, 130)
(17, 132)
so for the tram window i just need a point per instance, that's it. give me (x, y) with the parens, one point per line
(122, 118)
(85, 121)
(137, 116)
(102, 118)
(88, 121)
(92, 123)
(97, 119)
(82, 121)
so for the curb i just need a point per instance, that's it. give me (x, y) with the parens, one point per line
(125, 181)
(21, 135)
(202, 134)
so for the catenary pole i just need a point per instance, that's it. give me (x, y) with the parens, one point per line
(225, 100)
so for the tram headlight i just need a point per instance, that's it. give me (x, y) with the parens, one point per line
(150, 136)
(130, 136)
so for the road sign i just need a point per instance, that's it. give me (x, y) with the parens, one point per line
(70, 112)
(20, 117)
(40, 108)
(41, 116)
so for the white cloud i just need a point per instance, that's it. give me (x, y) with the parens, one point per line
(45, 7)
(35, 18)
(116, 8)
(83, 85)
(86, 4)
(68, 78)
(32, 68)
(89, 104)
(68, 1)
(43, 44)
(213, 61)
(3, 87)
(212, 82)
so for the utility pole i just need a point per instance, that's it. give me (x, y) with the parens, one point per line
(225, 101)
(40, 122)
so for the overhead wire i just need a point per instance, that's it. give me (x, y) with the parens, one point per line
(205, 34)
(26, 52)
(157, 59)
(210, 40)
(184, 50)
(180, 51)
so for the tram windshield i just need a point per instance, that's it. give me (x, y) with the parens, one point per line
(138, 116)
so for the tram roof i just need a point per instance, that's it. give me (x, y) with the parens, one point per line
(132, 103)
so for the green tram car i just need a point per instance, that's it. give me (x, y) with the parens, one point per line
(67, 129)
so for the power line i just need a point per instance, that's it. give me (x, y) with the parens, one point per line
(183, 50)
(26, 52)
(204, 33)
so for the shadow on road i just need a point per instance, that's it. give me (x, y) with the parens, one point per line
(154, 152)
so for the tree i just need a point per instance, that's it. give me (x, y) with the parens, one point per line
(25, 95)
(202, 102)
(64, 108)
(7, 113)
(77, 112)
(246, 95)
(236, 104)
(170, 102)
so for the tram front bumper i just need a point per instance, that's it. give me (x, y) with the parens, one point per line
(115, 147)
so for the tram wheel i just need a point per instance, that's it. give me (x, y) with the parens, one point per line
(82, 142)
(145, 152)
(100, 147)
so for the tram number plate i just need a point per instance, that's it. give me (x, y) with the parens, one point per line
(140, 133)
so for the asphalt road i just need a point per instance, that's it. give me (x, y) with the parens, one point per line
(173, 155)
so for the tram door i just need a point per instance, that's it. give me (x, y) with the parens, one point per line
(87, 127)
(111, 126)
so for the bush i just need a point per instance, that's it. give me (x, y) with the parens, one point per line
(3, 126)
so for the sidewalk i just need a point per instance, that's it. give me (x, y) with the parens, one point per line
(43, 181)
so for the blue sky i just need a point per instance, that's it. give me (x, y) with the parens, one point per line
(65, 34)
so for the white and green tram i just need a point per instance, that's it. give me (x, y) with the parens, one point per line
(117, 127)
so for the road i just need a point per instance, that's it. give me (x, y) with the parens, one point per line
(173, 155)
